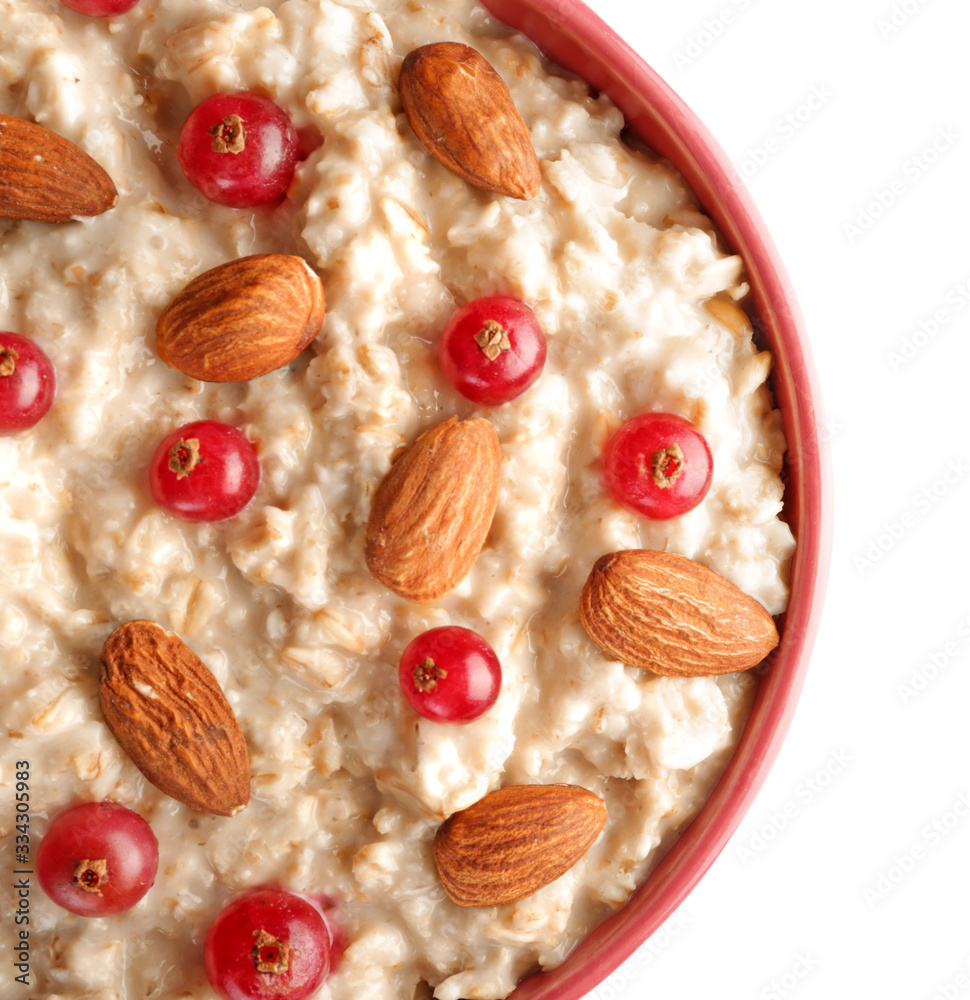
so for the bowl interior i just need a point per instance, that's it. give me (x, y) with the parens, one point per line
(574, 37)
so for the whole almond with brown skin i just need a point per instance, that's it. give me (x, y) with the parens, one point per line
(463, 114)
(432, 512)
(172, 719)
(514, 841)
(672, 616)
(242, 319)
(46, 178)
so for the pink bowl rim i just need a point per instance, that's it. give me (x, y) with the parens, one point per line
(570, 34)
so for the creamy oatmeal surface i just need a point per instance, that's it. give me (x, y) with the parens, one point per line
(348, 784)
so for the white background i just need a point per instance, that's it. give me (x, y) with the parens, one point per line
(850, 875)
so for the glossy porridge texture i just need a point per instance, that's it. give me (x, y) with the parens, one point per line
(348, 784)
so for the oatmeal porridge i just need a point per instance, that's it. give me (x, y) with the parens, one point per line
(349, 785)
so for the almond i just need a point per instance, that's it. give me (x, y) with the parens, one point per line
(46, 178)
(432, 512)
(672, 616)
(463, 114)
(242, 319)
(514, 841)
(172, 719)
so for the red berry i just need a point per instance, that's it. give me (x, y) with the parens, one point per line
(239, 149)
(492, 349)
(268, 944)
(100, 8)
(26, 383)
(657, 465)
(450, 674)
(97, 859)
(204, 471)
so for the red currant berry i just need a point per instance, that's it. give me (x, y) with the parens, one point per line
(239, 149)
(492, 350)
(450, 674)
(269, 944)
(26, 383)
(204, 471)
(97, 859)
(657, 465)
(100, 8)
